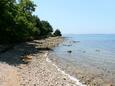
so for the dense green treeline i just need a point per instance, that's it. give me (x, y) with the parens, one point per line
(17, 22)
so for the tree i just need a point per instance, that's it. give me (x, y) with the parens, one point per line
(57, 33)
(46, 29)
(17, 22)
(7, 23)
(38, 26)
(25, 21)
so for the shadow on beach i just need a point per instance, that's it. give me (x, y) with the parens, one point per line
(13, 55)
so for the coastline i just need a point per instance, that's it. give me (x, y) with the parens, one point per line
(40, 71)
(77, 82)
(88, 77)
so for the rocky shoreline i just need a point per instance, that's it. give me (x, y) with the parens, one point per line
(38, 72)
(87, 77)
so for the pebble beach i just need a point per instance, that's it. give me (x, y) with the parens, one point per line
(39, 72)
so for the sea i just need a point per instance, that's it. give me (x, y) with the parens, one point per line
(89, 57)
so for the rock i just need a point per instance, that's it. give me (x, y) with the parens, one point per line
(84, 51)
(69, 51)
(76, 41)
(27, 58)
(97, 50)
(64, 78)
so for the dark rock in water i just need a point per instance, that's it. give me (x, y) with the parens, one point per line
(97, 50)
(76, 41)
(84, 51)
(69, 51)
(67, 45)
(64, 45)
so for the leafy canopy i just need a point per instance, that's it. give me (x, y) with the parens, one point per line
(57, 33)
(17, 22)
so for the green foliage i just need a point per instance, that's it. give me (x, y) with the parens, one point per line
(7, 22)
(46, 28)
(18, 24)
(57, 33)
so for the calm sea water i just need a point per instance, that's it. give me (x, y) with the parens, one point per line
(90, 52)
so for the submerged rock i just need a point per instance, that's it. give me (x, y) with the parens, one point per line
(67, 45)
(97, 50)
(84, 51)
(76, 41)
(69, 51)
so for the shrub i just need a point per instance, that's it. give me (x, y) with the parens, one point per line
(57, 33)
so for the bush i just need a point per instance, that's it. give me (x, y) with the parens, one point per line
(57, 33)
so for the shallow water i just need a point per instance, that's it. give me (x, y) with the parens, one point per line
(91, 54)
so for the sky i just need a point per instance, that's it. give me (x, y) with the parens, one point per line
(78, 16)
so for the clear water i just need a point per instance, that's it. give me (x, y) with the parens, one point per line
(90, 52)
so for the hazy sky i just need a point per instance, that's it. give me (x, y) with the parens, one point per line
(78, 16)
